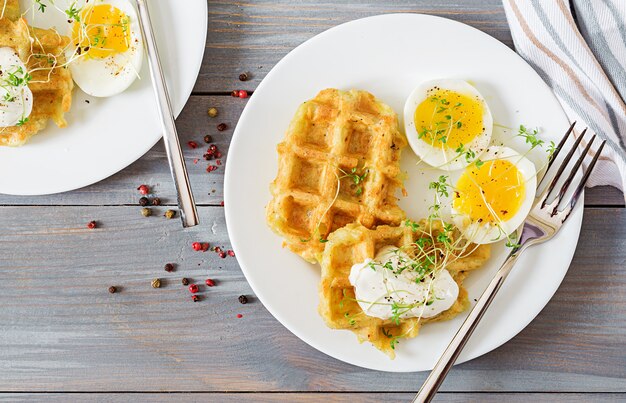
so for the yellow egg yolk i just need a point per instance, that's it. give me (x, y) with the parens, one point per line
(103, 30)
(448, 119)
(492, 193)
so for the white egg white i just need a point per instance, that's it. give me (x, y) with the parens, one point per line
(113, 74)
(16, 101)
(439, 157)
(483, 233)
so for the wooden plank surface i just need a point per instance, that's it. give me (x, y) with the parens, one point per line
(62, 331)
(317, 397)
(252, 36)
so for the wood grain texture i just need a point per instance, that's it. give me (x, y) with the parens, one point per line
(62, 331)
(247, 36)
(316, 397)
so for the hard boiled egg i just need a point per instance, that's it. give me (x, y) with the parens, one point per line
(448, 123)
(16, 99)
(107, 50)
(494, 195)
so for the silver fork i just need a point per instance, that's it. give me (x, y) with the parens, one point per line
(543, 222)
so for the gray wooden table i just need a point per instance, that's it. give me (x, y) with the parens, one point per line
(64, 337)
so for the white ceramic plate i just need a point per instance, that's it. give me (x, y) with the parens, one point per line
(108, 134)
(389, 55)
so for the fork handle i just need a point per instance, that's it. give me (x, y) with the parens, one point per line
(186, 203)
(439, 372)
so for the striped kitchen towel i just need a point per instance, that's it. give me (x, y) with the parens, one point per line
(579, 49)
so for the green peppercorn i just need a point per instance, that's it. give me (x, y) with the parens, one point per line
(212, 112)
(146, 212)
(156, 283)
(169, 214)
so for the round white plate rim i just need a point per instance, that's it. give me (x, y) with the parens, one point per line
(106, 173)
(573, 226)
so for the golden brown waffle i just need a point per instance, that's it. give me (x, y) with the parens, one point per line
(348, 137)
(352, 245)
(42, 52)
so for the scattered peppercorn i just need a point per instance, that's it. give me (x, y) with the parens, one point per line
(222, 126)
(243, 77)
(192, 144)
(193, 288)
(207, 156)
(243, 94)
(195, 298)
(207, 139)
(209, 282)
(212, 112)
(235, 93)
(239, 316)
(211, 168)
(146, 212)
(231, 253)
(169, 267)
(205, 246)
(156, 201)
(143, 189)
(91, 224)
(112, 289)
(222, 255)
(197, 246)
(185, 281)
(156, 283)
(144, 201)
(222, 203)
(243, 299)
(169, 214)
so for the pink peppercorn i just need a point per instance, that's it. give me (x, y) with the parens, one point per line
(239, 316)
(243, 94)
(192, 144)
(231, 253)
(197, 246)
(209, 282)
(193, 288)
(143, 189)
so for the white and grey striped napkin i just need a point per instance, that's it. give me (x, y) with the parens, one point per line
(579, 49)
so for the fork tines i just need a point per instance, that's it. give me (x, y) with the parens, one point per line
(543, 198)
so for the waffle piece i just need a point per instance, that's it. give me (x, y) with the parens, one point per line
(345, 138)
(42, 52)
(10, 9)
(352, 245)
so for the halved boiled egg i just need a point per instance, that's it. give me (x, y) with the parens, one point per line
(107, 50)
(16, 98)
(494, 195)
(448, 123)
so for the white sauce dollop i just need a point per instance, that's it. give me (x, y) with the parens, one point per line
(376, 289)
(16, 101)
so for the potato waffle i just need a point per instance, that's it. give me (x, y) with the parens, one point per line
(42, 52)
(353, 244)
(339, 163)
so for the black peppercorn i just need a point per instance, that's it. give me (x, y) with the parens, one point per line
(243, 77)
(169, 267)
(185, 281)
(144, 201)
(208, 138)
(112, 289)
(243, 299)
(156, 201)
(221, 127)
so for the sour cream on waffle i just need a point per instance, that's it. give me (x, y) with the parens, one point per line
(385, 290)
(16, 99)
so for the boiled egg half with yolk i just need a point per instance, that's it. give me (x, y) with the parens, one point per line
(448, 123)
(493, 196)
(107, 50)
